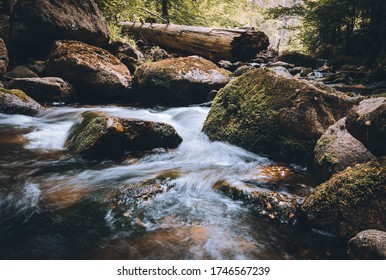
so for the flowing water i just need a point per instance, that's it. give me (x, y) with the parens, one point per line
(56, 206)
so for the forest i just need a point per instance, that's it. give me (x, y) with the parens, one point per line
(194, 130)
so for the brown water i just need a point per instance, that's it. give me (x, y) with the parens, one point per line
(55, 206)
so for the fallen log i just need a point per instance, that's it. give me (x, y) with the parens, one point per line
(212, 43)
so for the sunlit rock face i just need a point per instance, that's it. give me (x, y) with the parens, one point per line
(179, 81)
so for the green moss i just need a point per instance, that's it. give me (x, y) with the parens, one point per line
(350, 201)
(16, 92)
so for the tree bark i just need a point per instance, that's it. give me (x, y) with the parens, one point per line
(212, 43)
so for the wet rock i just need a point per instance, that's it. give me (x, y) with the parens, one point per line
(269, 114)
(95, 73)
(36, 24)
(298, 59)
(157, 54)
(337, 149)
(367, 123)
(281, 71)
(368, 245)
(96, 135)
(241, 70)
(351, 201)
(21, 71)
(17, 102)
(44, 90)
(180, 81)
(274, 205)
(3, 57)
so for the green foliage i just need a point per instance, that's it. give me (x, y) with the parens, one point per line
(352, 27)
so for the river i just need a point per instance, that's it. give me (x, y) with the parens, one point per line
(55, 206)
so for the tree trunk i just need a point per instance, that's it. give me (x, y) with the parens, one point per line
(212, 43)
(165, 9)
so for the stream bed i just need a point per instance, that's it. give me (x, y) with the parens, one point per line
(56, 206)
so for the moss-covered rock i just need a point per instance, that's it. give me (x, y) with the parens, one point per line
(270, 114)
(178, 81)
(274, 205)
(367, 123)
(351, 201)
(98, 135)
(95, 73)
(17, 102)
(337, 149)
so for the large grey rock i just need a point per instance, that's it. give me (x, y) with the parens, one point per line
(337, 149)
(36, 24)
(45, 90)
(180, 81)
(17, 102)
(367, 123)
(95, 73)
(368, 245)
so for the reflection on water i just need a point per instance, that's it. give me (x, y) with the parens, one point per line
(54, 206)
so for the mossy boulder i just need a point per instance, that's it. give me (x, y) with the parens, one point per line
(96, 135)
(337, 149)
(17, 102)
(367, 123)
(178, 81)
(269, 114)
(45, 90)
(276, 206)
(96, 74)
(36, 24)
(368, 245)
(351, 201)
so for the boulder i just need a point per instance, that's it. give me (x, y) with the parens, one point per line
(21, 71)
(274, 205)
(96, 135)
(95, 73)
(6, 7)
(241, 70)
(298, 59)
(4, 60)
(281, 71)
(36, 24)
(351, 201)
(44, 90)
(338, 61)
(367, 123)
(17, 102)
(368, 245)
(269, 114)
(337, 149)
(179, 81)
(127, 53)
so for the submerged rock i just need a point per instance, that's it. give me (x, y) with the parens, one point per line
(269, 114)
(45, 90)
(96, 135)
(95, 73)
(36, 24)
(274, 205)
(337, 149)
(367, 123)
(368, 245)
(180, 81)
(351, 201)
(17, 102)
